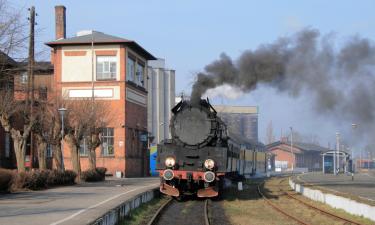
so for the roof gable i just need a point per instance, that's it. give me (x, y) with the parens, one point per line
(101, 38)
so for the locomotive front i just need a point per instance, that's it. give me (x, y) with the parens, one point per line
(194, 160)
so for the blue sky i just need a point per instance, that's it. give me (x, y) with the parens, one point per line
(191, 34)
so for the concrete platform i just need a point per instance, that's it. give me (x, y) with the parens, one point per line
(77, 204)
(363, 185)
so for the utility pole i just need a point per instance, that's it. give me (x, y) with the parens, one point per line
(30, 76)
(335, 161)
(291, 147)
(30, 68)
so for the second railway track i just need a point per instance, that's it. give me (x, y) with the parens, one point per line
(288, 212)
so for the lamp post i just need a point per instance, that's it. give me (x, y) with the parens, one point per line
(291, 147)
(62, 112)
(336, 162)
(354, 126)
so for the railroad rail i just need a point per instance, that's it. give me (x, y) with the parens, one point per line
(278, 208)
(290, 196)
(169, 205)
(318, 209)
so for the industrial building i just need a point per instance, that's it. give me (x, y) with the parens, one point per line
(161, 99)
(296, 155)
(242, 120)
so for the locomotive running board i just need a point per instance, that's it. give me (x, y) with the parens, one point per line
(169, 190)
(207, 192)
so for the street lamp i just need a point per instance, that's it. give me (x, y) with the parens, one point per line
(336, 162)
(291, 147)
(62, 112)
(354, 126)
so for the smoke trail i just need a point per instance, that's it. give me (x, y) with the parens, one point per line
(340, 80)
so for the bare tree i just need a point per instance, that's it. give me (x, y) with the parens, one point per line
(15, 117)
(84, 120)
(270, 138)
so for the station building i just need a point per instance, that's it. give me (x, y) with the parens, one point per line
(300, 156)
(117, 68)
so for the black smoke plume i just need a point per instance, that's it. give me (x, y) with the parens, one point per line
(339, 77)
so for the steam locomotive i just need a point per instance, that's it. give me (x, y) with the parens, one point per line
(203, 152)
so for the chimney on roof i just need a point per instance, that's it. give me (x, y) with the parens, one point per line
(60, 20)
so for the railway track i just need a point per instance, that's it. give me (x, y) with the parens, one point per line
(180, 210)
(306, 204)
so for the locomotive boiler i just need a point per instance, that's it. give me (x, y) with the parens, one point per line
(202, 152)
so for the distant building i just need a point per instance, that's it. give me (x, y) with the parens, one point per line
(161, 99)
(240, 119)
(303, 156)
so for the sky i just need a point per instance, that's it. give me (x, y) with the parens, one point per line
(191, 34)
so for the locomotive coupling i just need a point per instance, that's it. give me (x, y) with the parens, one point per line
(209, 176)
(168, 174)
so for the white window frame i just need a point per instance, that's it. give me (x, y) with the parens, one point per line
(109, 67)
(49, 151)
(130, 69)
(83, 147)
(7, 145)
(140, 77)
(24, 78)
(108, 142)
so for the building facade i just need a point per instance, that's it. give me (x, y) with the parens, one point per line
(242, 120)
(302, 156)
(161, 99)
(114, 70)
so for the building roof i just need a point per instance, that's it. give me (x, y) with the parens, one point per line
(6, 59)
(101, 38)
(236, 109)
(299, 145)
(42, 66)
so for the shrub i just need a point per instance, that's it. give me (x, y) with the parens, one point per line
(6, 177)
(36, 180)
(93, 175)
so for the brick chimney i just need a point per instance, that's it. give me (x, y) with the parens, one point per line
(60, 20)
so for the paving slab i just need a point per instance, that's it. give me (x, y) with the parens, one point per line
(76, 204)
(362, 186)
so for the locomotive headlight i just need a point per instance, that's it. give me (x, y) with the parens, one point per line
(170, 161)
(209, 164)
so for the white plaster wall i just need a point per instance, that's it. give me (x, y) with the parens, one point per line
(348, 205)
(79, 68)
(116, 91)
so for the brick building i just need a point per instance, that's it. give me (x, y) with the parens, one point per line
(118, 69)
(303, 156)
(14, 77)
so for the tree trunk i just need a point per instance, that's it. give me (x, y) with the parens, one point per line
(74, 155)
(20, 150)
(58, 157)
(92, 158)
(42, 152)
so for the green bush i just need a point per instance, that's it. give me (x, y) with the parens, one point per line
(93, 175)
(6, 177)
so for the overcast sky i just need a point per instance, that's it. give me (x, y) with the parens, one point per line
(191, 34)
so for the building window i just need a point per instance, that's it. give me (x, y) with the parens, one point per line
(83, 147)
(130, 69)
(106, 67)
(42, 93)
(107, 141)
(24, 78)
(7, 145)
(140, 74)
(49, 151)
